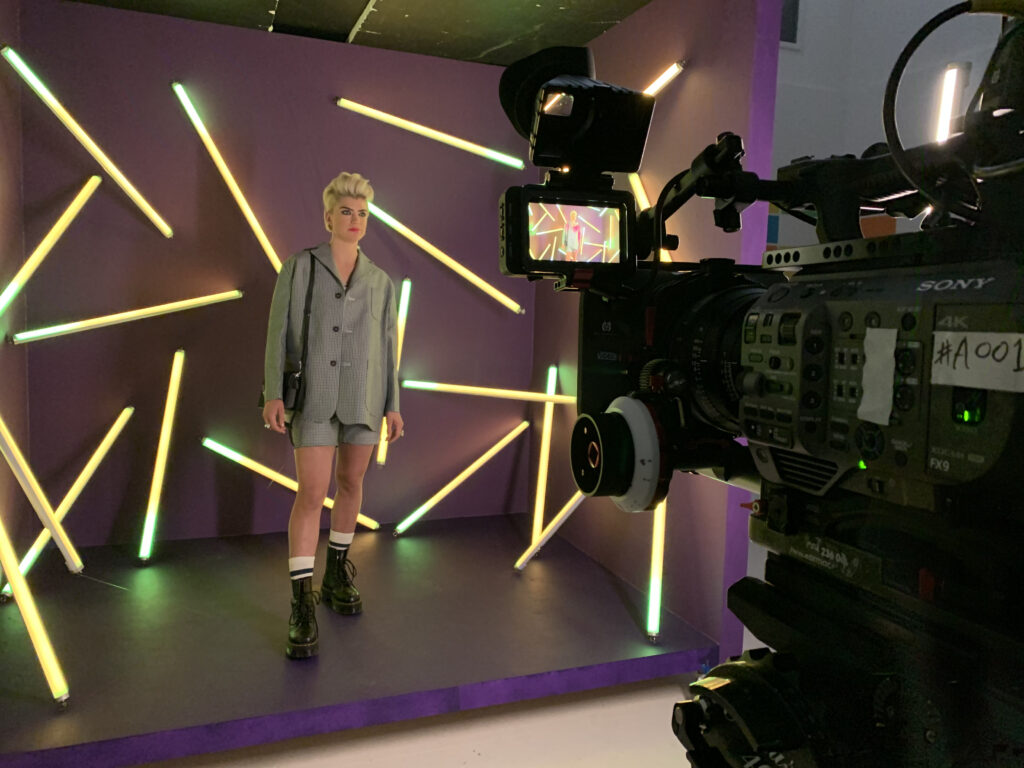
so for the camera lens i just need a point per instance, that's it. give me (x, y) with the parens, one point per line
(602, 454)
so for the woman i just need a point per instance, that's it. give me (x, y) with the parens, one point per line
(350, 382)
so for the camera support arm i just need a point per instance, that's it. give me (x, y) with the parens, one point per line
(719, 158)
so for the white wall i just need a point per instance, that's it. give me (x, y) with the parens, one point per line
(830, 88)
(831, 83)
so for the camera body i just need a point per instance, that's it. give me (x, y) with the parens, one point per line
(869, 390)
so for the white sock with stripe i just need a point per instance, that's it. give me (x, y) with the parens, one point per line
(300, 567)
(340, 540)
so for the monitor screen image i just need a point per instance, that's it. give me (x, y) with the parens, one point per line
(581, 233)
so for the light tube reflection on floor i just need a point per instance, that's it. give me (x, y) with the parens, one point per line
(545, 454)
(445, 259)
(403, 314)
(550, 529)
(431, 133)
(162, 449)
(43, 249)
(657, 569)
(72, 495)
(84, 139)
(30, 614)
(225, 172)
(503, 394)
(37, 498)
(123, 317)
(429, 504)
(277, 477)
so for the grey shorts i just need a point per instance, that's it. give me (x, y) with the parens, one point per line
(306, 434)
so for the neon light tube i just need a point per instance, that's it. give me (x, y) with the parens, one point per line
(30, 614)
(949, 92)
(545, 453)
(162, 449)
(72, 495)
(277, 477)
(549, 531)
(445, 259)
(665, 78)
(84, 139)
(657, 569)
(430, 133)
(225, 172)
(403, 314)
(37, 498)
(429, 504)
(504, 394)
(43, 249)
(643, 202)
(123, 317)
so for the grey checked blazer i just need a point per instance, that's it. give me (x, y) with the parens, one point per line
(350, 366)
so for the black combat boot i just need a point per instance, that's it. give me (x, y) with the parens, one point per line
(302, 631)
(338, 590)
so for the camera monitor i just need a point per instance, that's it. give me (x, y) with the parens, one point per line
(580, 233)
(553, 232)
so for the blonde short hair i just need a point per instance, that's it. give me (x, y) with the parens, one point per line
(346, 185)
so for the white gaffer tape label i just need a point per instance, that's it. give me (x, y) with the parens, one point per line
(877, 378)
(979, 360)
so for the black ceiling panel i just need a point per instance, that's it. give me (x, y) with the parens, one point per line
(487, 31)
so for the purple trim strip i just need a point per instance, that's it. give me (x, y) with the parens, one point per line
(236, 734)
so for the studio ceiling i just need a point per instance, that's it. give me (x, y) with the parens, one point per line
(487, 31)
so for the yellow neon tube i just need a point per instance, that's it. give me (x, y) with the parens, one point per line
(403, 314)
(664, 78)
(657, 569)
(550, 529)
(429, 504)
(225, 172)
(37, 498)
(504, 394)
(430, 133)
(949, 83)
(36, 631)
(162, 449)
(277, 477)
(123, 317)
(643, 202)
(84, 139)
(545, 454)
(72, 495)
(43, 249)
(445, 259)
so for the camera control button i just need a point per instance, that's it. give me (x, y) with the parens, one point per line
(810, 400)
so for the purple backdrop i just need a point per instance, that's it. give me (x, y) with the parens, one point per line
(268, 101)
(729, 84)
(14, 510)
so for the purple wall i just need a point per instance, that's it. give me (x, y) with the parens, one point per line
(728, 84)
(268, 102)
(14, 509)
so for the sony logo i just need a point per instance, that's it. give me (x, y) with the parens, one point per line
(955, 285)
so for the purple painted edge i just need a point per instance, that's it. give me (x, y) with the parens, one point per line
(265, 729)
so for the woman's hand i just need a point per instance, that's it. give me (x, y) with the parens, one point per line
(273, 415)
(395, 425)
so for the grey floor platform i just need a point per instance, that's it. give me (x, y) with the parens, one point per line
(185, 656)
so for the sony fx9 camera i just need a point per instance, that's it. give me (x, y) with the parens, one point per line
(869, 390)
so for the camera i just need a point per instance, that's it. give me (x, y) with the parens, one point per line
(869, 390)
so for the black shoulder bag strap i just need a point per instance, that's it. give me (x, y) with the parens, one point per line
(305, 330)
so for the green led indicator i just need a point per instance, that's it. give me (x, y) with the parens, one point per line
(862, 464)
